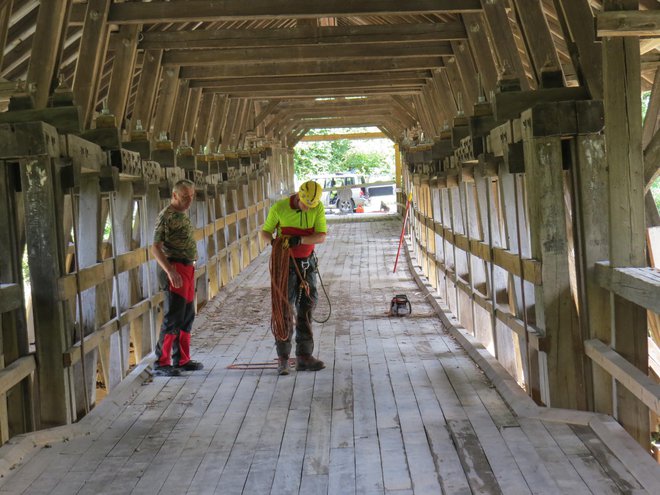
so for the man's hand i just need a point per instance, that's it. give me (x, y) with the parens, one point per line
(295, 240)
(175, 278)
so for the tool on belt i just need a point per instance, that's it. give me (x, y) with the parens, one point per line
(400, 305)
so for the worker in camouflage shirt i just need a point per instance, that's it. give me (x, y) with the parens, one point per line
(175, 250)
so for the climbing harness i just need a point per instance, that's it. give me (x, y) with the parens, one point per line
(400, 305)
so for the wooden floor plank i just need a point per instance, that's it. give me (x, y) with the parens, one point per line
(399, 409)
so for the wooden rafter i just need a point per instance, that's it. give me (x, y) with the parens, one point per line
(229, 10)
(317, 67)
(305, 35)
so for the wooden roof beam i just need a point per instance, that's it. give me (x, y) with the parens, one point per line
(313, 67)
(362, 51)
(330, 78)
(383, 83)
(323, 93)
(628, 23)
(231, 10)
(305, 35)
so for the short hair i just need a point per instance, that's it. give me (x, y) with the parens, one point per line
(183, 183)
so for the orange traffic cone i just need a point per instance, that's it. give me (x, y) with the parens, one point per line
(359, 209)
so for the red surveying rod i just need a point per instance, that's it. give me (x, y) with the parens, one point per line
(403, 230)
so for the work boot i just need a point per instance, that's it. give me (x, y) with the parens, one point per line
(191, 366)
(283, 366)
(309, 363)
(166, 370)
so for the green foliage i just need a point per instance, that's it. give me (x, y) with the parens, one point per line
(328, 157)
(655, 190)
(367, 163)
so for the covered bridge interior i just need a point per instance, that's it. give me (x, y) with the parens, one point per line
(524, 174)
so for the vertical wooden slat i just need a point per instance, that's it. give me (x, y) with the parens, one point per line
(90, 233)
(623, 141)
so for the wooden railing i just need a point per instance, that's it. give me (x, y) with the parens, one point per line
(509, 227)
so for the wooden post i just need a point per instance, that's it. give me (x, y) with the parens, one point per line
(623, 141)
(46, 261)
(591, 186)
(556, 312)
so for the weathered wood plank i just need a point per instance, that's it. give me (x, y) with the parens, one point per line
(11, 297)
(636, 381)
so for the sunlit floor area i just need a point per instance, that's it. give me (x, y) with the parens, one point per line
(399, 409)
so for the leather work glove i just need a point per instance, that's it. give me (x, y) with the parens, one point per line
(295, 241)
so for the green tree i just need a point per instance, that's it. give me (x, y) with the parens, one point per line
(330, 157)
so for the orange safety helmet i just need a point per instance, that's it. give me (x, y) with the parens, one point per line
(310, 193)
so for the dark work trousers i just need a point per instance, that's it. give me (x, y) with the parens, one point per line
(179, 313)
(303, 306)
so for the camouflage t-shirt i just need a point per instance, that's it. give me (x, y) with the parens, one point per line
(175, 230)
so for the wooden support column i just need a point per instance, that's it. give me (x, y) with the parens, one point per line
(46, 42)
(93, 45)
(123, 67)
(623, 141)
(46, 260)
(165, 104)
(591, 189)
(556, 312)
(147, 88)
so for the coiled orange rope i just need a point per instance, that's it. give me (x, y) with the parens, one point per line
(281, 319)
